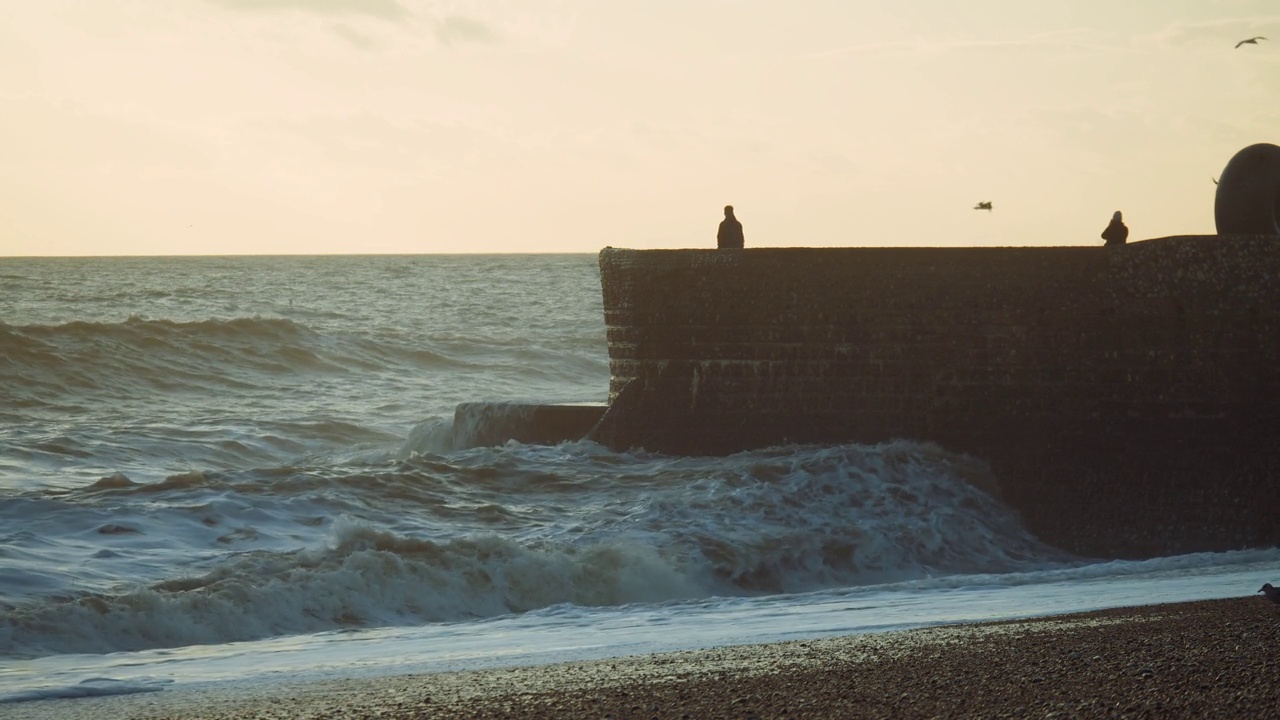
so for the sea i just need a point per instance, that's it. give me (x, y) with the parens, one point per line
(238, 472)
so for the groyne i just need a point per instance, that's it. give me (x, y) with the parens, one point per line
(1126, 398)
(481, 424)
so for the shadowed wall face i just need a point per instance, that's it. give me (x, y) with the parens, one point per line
(1102, 384)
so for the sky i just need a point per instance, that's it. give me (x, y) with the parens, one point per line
(217, 127)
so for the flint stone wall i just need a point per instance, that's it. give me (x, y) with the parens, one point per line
(1127, 398)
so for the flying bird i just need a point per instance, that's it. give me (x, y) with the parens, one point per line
(1250, 41)
(1215, 180)
(984, 205)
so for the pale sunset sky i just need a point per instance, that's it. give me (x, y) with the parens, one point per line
(142, 127)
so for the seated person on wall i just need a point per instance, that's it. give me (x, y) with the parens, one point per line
(730, 233)
(1116, 232)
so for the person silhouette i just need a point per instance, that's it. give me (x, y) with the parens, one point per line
(730, 233)
(1116, 232)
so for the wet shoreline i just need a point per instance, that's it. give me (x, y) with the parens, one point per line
(1213, 658)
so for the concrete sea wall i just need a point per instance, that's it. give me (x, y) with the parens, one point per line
(1126, 398)
(485, 424)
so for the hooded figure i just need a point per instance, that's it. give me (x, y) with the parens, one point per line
(1116, 233)
(730, 233)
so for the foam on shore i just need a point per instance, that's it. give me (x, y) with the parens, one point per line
(1208, 658)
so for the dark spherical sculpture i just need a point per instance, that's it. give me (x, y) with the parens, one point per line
(1248, 197)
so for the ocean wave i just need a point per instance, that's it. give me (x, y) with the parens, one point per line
(93, 687)
(365, 578)
(137, 327)
(51, 364)
(573, 524)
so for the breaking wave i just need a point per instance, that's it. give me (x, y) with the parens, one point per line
(529, 528)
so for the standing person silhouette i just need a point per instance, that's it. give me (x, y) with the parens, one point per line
(1116, 232)
(730, 233)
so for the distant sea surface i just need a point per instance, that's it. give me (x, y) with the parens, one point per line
(244, 470)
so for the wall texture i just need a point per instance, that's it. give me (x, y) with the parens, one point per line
(1127, 398)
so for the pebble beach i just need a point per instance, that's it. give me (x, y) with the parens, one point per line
(1204, 659)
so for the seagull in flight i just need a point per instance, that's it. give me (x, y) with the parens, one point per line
(1250, 41)
(984, 205)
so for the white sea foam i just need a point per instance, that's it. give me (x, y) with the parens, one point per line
(93, 687)
(497, 531)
